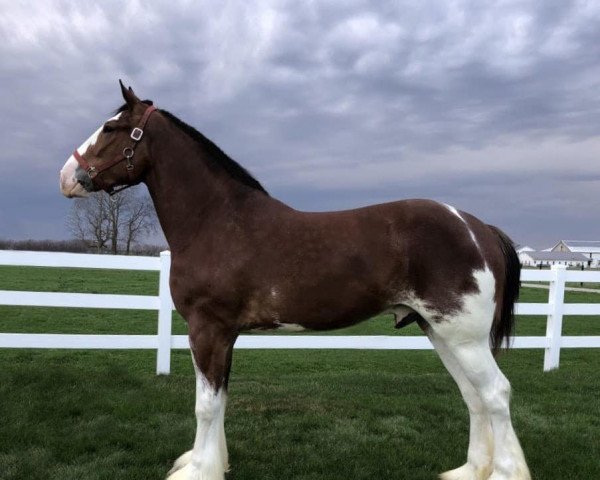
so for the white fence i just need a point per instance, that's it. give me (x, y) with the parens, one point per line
(163, 342)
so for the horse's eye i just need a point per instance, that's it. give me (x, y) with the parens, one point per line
(107, 129)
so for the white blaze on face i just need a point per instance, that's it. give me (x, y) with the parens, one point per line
(69, 186)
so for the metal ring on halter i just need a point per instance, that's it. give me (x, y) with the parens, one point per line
(128, 152)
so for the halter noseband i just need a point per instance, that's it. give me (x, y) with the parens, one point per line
(93, 172)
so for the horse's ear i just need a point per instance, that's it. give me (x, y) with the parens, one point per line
(128, 95)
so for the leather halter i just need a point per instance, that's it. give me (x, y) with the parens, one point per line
(94, 171)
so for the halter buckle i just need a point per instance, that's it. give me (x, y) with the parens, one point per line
(136, 134)
(91, 172)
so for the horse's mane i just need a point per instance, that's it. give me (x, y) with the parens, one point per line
(216, 156)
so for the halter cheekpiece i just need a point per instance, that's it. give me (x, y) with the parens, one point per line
(93, 172)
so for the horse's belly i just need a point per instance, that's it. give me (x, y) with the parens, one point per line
(329, 315)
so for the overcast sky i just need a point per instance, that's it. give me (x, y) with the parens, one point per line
(493, 107)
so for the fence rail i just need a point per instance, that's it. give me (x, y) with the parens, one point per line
(164, 341)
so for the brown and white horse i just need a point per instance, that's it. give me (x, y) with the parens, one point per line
(243, 260)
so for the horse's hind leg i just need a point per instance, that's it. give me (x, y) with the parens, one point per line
(467, 342)
(481, 443)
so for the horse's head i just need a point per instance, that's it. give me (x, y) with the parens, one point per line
(115, 156)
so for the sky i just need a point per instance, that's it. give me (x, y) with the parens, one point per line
(493, 107)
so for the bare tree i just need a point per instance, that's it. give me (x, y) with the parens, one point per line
(89, 221)
(117, 207)
(112, 223)
(140, 220)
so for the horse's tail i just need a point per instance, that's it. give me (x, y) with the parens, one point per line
(504, 318)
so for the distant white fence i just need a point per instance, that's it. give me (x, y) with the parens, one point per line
(163, 342)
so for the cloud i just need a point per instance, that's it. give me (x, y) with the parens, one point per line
(555, 158)
(334, 99)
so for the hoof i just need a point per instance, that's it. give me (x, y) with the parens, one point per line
(181, 462)
(186, 458)
(190, 472)
(186, 472)
(521, 474)
(180, 474)
(467, 472)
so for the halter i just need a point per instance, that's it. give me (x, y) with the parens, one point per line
(93, 172)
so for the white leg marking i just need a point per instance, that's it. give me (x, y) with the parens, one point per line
(209, 456)
(181, 462)
(482, 371)
(466, 337)
(481, 443)
(223, 442)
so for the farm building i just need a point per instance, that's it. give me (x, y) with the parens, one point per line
(537, 259)
(524, 248)
(590, 249)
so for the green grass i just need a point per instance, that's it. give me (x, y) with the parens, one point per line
(79, 280)
(292, 414)
(324, 415)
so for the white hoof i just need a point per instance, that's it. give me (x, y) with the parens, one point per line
(181, 462)
(467, 472)
(521, 474)
(180, 474)
(191, 472)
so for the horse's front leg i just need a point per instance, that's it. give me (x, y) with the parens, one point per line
(211, 345)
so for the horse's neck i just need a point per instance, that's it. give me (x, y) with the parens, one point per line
(188, 195)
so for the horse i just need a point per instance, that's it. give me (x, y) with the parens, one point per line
(243, 260)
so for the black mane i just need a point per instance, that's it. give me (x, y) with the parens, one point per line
(217, 157)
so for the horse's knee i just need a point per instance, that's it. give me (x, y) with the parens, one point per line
(496, 396)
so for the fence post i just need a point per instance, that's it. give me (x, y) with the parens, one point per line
(556, 298)
(165, 312)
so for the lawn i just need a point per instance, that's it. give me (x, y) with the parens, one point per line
(291, 414)
(324, 415)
